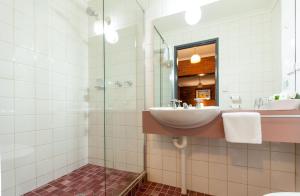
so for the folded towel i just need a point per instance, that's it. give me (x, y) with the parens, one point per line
(242, 127)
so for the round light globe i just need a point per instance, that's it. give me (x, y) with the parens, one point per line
(98, 27)
(193, 15)
(111, 36)
(195, 58)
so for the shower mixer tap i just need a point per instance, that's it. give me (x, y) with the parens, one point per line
(118, 84)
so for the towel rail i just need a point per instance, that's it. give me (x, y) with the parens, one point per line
(280, 116)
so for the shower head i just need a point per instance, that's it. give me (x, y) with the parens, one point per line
(91, 12)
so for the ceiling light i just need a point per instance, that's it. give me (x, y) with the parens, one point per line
(98, 27)
(193, 15)
(111, 36)
(201, 75)
(195, 58)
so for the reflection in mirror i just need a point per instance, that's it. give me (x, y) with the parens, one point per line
(196, 72)
(163, 71)
(256, 55)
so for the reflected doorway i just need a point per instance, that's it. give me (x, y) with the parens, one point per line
(196, 72)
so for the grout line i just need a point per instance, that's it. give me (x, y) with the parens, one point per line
(247, 185)
(270, 165)
(295, 162)
(14, 90)
(227, 166)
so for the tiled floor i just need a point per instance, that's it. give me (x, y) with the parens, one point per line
(88, 180)
(155, 189)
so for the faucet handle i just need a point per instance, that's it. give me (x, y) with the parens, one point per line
(173, 103)
(178, 102)
(185, 105)
(199, 102)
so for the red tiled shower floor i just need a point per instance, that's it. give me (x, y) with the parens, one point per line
(88, 180)
(155, 189)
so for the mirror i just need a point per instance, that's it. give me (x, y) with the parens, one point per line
(248, 51)
(196, 68)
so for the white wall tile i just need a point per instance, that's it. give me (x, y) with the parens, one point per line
(235, 189)
(283, 181)
(7, 88)
(169, 164)
(6, 69)
(217, 187)
(7, 106)
(282, 147)
(254, 191)
(24, 73)
(200, 184)
(26, 81)
(24, 123)
(237, 156)
(237, 174)
(9, 181)
(218, 171)
(24, 139)
(7, 125)
(24, 174)
(259, 159)
(200, 152)
(283, 161)
(6, 51)
(155, 175)
(44, 152)
(7, 142)
(259, 177)
(155, 162)
(200, 168)
(6, 13)
(218, 154)
(24, 106)
(24, 90)
(169, 178)
(24, 155)
(26, 187)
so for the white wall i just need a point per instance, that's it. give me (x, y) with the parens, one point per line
(276, 33)
(245, 57)
(288, 44)
(215, 166)
(298, 46)
(43, 79)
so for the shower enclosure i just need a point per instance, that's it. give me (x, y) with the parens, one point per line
(163, 71)
(72, 80)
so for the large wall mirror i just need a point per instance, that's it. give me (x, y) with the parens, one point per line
(246, 53)
(196, 72)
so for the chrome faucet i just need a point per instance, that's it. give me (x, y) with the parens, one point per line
(174, 103)
(199, 103)
(261, 101)
(185, 106)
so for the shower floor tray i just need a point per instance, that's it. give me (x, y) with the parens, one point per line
(89, 180)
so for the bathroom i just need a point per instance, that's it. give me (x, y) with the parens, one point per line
(80, 78)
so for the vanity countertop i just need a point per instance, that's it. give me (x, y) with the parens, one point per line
(274, 127)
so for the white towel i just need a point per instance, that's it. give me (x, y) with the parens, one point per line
(242, 127)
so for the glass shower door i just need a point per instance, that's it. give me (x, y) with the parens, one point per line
(124, 94)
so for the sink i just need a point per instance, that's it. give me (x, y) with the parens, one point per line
(185, 118)
(289, 104)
